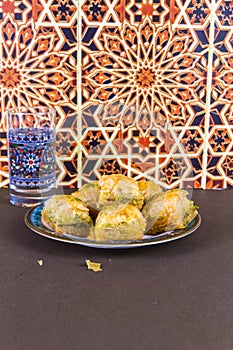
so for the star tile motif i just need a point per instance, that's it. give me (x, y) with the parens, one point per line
(131, 84)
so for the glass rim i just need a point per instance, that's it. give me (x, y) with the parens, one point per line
(29, 110)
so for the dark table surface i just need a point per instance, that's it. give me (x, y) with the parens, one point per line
(176, 295)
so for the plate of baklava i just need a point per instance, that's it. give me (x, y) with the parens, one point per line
(116, 211)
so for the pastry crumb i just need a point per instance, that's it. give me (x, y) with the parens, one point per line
(93, 266)
(40, 262)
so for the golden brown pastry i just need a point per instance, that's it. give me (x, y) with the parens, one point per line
(89, 193)
(66, 214)
(119, 222)
(117, 188)
(148, 188)
(168, 210)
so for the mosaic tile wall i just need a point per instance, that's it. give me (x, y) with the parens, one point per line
(141, 87)
(38, 66)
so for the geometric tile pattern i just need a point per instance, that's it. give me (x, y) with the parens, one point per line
(144, 76)
(140, 87)
(38, 66)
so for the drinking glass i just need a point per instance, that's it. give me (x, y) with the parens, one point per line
(31, 153)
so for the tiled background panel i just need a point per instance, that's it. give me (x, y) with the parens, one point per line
(145, 64)
(147, 69)
(218, 167)
(38, 66)
(163, 152)
(219, 171)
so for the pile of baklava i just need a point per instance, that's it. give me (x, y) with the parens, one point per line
(119, 208)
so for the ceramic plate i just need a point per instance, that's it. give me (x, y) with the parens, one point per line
(34, 221)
